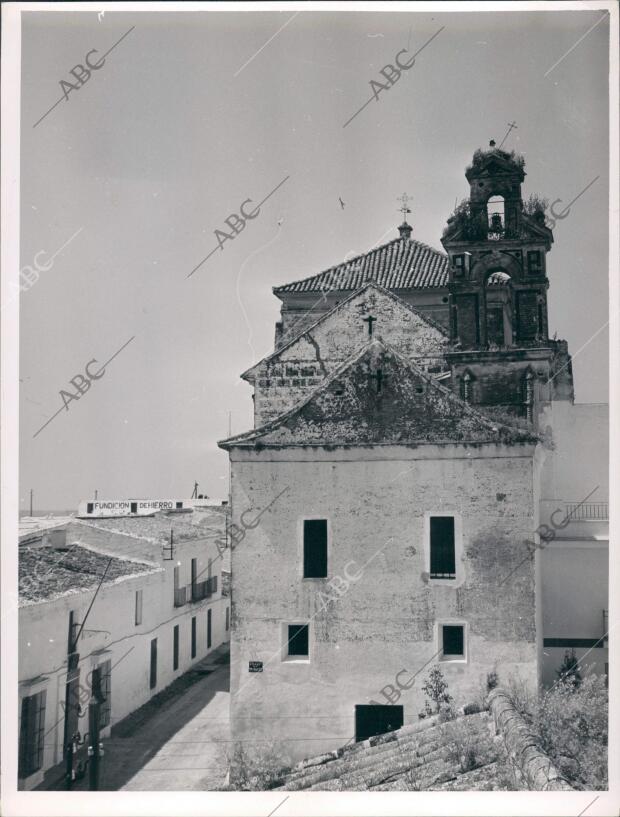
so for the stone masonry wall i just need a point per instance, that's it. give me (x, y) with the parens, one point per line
(282, 381)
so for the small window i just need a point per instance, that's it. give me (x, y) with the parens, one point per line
(175, 648)
(453, 641)
(459, 265)
(297, 643)
(193, 636)
(138, 608)
(443, 562)
(315, 548)
(534, 262)
(31, 734)
(227, 618)
(89, 507)
(179, 504)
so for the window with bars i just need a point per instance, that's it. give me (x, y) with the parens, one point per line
(315, 548)
(31, 732)
(443, 560)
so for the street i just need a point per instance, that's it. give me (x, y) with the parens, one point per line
(178, 743)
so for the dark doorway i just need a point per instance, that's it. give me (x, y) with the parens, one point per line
(134, 507)
(375, 719)
(208, 629)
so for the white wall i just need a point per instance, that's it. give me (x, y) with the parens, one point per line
(43, 633)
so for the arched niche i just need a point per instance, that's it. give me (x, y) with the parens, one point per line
(498, 300)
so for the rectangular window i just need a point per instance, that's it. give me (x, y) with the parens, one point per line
(443, 563)
(193, 636)
(534, 262)
(179, 504)
(315, 548)
(297, 644)
(459, 265)
(453, 641)
(153, 674)
(103, 676)
(175, 648)
(176, 577)
(194, 572)
(89, 507)
(31, 732)
(208, 629)
(227, 618)
(138, 608)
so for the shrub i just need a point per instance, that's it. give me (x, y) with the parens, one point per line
(256, 770)
(492, 680)
(472, 708)
(469, 745)
(535, 204)
(571, 724)
(569, 669)
(522, 696)
(436, 689)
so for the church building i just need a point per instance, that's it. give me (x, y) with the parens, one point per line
(419, 427)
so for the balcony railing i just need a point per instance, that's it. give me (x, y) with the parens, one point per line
(195, 592)
(200, 590)
(587, 511)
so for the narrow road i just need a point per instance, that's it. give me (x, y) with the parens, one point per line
(178, 744)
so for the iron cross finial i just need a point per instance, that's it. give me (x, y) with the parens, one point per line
(511, 125)
(405, 199)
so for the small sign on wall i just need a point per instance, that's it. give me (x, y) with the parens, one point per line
(256, 666)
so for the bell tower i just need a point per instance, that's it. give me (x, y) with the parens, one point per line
(501, 354)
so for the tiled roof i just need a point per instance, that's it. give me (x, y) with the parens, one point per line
(417, 756)
(400, 264)
(412, 408)
(48, 572)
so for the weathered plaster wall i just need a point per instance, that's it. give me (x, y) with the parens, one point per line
(386, 621)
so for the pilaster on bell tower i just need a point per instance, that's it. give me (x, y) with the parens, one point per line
(498, 292)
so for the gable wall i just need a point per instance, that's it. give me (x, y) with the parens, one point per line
(284, 381)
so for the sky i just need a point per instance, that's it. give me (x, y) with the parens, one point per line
(127, 179)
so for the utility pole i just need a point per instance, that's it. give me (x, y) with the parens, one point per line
(72, 703)
(72, 689)
(31, 493)
(96, 493)
(95, 750)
